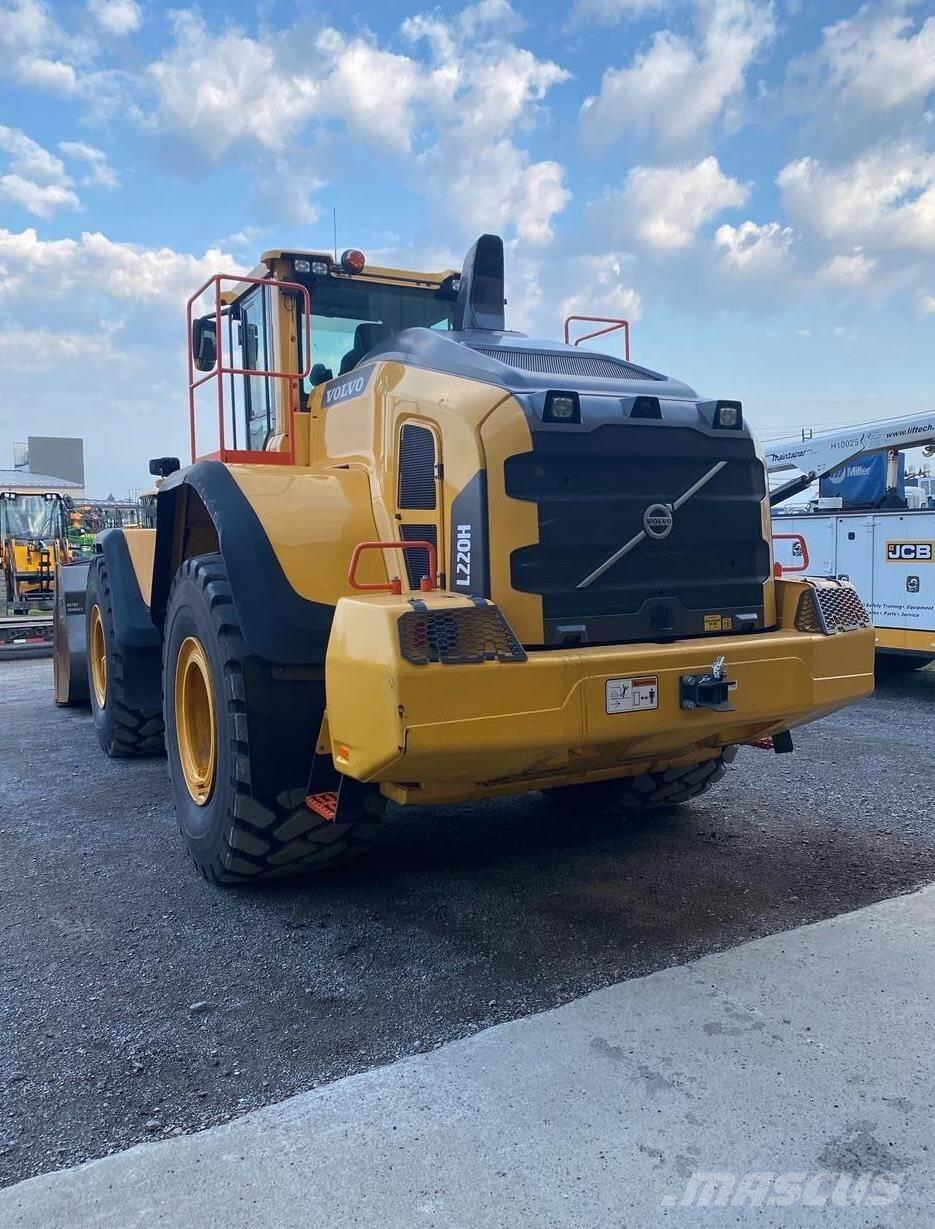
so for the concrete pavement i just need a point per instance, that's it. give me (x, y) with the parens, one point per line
(786, 1082)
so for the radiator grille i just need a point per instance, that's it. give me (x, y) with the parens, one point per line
(416, 468)
(458, 637)
(592, 489)
(834, 606)
(566, 363)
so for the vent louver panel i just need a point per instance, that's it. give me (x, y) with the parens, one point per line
(417, 561)
(564, 363)
(416, 468)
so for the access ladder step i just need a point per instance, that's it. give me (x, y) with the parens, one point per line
(324, 804)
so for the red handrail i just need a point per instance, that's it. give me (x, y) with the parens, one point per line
(779, 568)
(614, 323)
(244, 454)
(395, 585)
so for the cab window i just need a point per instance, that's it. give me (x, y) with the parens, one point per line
(350, 317)
(253, 339)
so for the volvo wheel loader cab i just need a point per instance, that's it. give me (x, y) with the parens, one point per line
(419, 557)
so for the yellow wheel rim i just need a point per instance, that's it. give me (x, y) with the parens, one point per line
(195, 723)
(98, 650)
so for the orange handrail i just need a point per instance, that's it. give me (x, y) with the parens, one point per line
(394, 585)
(614, 323)
(294, 377)
(779, 568)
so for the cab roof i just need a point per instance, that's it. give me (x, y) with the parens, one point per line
(370, 273)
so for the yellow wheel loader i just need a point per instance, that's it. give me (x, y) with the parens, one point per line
(32, 543)
(420, 558)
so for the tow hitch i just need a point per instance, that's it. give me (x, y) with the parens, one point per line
(707, 690)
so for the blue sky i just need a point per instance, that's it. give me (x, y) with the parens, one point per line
(751, 183)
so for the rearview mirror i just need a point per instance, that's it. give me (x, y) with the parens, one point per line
(204, 343)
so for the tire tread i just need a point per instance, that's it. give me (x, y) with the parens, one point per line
(269, 837)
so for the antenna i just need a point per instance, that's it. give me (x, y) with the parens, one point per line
(334, 226)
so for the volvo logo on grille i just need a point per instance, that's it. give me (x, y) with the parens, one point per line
(657, 520)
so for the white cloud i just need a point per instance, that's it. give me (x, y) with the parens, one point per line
(455, 105)
(848, 269)
(680, 88)
(40, 199)
(664, 206)
(497, 188)
(29, 158)
(36, 179)
(33, 49)
(117, 17)
(926, 303)
(603, 290)
(750, 248)
(32, 267)
(372, 90)
(215, 92)
(877, 60)
(99, 172)
(883, 199)
(481, 95)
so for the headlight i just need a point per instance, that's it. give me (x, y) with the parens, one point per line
(729, 415)
(562, 408)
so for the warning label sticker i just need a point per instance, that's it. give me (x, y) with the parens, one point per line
(632, 695)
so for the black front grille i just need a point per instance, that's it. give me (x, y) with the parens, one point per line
(568, 363)
(592, 489)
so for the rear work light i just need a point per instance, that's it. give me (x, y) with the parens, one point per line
(561, 408)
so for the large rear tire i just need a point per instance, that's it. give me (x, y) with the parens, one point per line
(650, 792)
(123, 730)
(240, 744)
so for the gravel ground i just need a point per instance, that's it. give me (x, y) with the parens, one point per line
(137, 1001)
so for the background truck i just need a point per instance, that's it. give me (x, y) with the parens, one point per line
(888, 551)
(425, 559)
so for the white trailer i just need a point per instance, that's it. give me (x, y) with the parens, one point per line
(889, 557)
(888, 554)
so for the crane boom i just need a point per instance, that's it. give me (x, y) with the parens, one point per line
(816, 455)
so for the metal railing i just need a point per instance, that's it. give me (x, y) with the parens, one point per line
(293, 378)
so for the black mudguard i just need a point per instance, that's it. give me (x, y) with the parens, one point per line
(138, 638)
(279, 626)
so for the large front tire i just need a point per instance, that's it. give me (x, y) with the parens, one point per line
(240, 744)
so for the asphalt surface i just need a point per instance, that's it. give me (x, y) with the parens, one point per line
(138, 1002)
(787, 1083)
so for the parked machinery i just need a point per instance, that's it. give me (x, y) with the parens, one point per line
(431, 560)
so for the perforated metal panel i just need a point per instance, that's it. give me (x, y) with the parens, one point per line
(464, 636)
(829, 608)
(566, 363)
(417, 561)
(416, 468)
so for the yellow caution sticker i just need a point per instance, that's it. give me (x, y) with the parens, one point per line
(713, 622)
